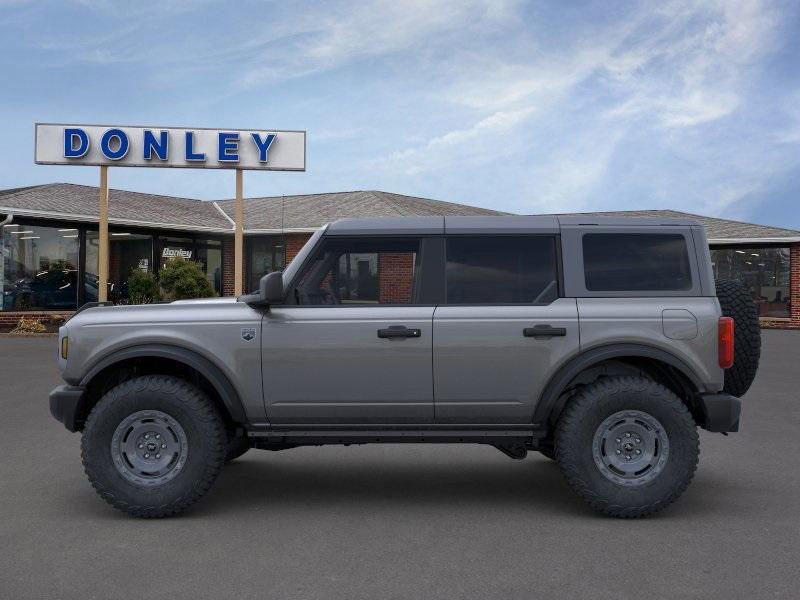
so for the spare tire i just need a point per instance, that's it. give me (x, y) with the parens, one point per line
(737, 302)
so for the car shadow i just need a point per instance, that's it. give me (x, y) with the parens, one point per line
(534, 483)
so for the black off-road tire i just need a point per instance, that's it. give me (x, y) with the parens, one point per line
(204, 444)
(586, 414)
(737, 302)
(237, 445)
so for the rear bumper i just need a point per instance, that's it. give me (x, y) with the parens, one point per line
(66, 402)
(721, 411)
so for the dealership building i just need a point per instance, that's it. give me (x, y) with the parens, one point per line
(50, 246)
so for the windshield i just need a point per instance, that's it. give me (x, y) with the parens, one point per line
(292, 267)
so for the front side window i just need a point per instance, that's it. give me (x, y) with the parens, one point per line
(617, 262)
(766, 271)
(501, 270)
(360, 271)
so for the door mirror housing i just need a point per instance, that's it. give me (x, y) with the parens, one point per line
(270, 291)
(270, 287)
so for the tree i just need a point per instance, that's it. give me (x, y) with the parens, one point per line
(142, 287)
(181, 279)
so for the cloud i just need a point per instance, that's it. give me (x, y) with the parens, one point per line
(467, 146)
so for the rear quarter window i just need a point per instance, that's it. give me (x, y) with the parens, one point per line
(615, 262)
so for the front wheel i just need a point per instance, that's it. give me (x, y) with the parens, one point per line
(153, 445)
(627, 445)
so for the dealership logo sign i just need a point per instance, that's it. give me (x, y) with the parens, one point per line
(176, 253)
(170, 147)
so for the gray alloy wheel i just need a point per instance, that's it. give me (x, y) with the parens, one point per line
(627, 445)
(153, 445)
(149, 448)
(630, 448)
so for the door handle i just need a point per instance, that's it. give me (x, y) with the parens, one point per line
(399, 331)
(544, 331)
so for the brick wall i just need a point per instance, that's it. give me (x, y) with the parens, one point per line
(228, 272)
(395, 277)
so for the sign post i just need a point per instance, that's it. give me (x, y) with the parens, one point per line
(198, 148)
(239, 236)
(103, 253)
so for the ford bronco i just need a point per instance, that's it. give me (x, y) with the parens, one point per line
(602, 343)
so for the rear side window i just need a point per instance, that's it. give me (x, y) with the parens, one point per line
(501, 270)
(615, 262)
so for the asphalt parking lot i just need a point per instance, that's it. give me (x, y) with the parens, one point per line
(400, 521)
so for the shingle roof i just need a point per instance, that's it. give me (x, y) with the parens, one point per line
(314, 210)
(80, 202)
(717, 230)
(307, 212)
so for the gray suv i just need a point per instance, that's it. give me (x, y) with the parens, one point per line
(601, 343)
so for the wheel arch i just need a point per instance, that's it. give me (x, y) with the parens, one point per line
(657, 363)
(166, 359)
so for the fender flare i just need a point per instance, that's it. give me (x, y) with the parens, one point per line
(218, 380)
(549, 397)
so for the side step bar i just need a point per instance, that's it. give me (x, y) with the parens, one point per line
(396, 433)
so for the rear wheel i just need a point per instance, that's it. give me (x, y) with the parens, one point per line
(736, 301)
(153, 445)
(627, 445)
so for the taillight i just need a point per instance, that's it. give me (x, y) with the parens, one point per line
(725, 350)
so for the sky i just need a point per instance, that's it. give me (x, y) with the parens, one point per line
(527, 107)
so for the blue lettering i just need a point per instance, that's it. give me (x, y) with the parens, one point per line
(263, 145)
(70, 137)
(190, 153)
(122, 144)
(228, 142)
(159, 146)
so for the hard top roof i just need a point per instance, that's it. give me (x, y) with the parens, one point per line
(488, 224)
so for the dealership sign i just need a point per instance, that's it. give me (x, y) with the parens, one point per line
(109, 145)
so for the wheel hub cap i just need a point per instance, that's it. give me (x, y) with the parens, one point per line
(630, 448)
(149, 448)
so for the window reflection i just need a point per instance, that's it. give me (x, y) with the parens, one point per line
(39, 268)
(764, 270)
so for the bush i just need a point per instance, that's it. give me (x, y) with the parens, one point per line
(143, 287)
(26, 325)
(181, 279)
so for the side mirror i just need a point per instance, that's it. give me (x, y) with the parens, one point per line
(271, 288)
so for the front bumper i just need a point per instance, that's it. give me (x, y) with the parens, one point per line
(66, 404)
(721, 412)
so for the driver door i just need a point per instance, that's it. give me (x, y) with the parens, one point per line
(353, 344)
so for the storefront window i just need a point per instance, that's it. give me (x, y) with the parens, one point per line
(764, 270)
(39, 268)
(264, 255)
(128, 251)
(207, 253)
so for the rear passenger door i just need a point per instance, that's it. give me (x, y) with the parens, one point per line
(502, 328)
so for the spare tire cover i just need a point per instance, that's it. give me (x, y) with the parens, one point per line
(737, 302)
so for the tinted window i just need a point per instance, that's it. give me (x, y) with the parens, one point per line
(636, 261)
(361, 271)
(501, 270)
